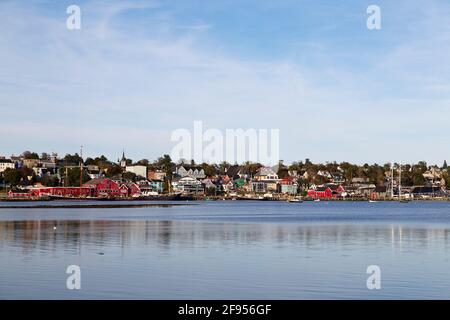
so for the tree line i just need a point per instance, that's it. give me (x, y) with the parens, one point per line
(307, 171)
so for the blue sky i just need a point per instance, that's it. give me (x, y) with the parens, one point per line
(137, 70)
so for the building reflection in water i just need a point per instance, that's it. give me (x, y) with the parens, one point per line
(72, 235)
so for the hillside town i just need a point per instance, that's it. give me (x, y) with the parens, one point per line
(48, 176)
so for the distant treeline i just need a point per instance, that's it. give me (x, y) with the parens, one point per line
(306, 171)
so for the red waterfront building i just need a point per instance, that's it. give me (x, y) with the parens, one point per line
(124, 190)
(326, 192)
(133, 190)
(320, 193)
(104, 187)
(67, 192)
(19, 195)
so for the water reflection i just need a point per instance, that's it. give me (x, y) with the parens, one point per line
(181, 259)
(71, 235)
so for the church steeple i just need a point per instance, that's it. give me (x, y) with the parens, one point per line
(123, 162)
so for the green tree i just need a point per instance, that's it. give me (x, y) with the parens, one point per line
(90, 162)
(251, 167)
(102, 162)
(350, 171)
(282, 170)
(417, 172)
(23, 176)
(297, 166)
(165, 163)
(73, 159)
(210, 170)
(50, 181)
(45, 156)
(446, 177)
(73, 176)
(113, 170)
(223, 167)
(143, 162)
(30, 155)
(12, 176)
(129, 176)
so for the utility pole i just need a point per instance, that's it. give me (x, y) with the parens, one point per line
(81, 168)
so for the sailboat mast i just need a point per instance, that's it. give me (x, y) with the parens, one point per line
(392, 180)
(400, 182)
(81, 168)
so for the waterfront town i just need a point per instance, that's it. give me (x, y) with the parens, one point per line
(31, 176)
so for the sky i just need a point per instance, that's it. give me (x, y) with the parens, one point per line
(138, 70)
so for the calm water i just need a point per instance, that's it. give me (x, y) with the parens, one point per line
(228, 250)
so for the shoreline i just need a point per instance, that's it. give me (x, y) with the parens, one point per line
(93, 206)
(195, 199)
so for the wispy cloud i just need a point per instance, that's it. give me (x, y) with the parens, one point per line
(197, 26)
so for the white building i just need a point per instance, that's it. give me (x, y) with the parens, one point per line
(93, 171)
(265, 173)
(188, 185)
(6, 164)
(137, 170)
(196, 173)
